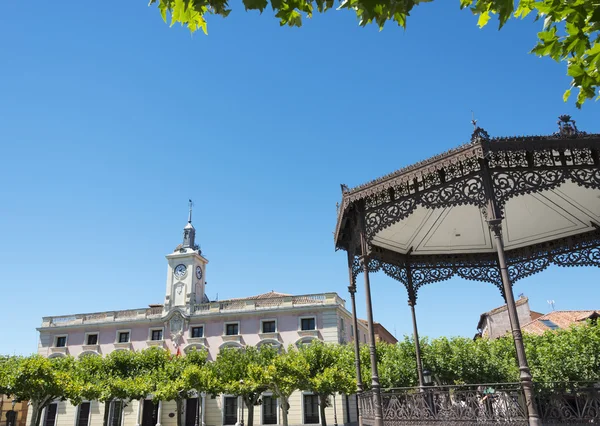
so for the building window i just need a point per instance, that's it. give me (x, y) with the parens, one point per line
(197, 332)
(351, 330)
(50, 419)
(311, 409)
(232, 329)
(307, 324)
(83, 414)
(269, 410)
(61, 341)
(123, 336)
(230, 410)
(156, 335)
(92, 339)
(269, 326)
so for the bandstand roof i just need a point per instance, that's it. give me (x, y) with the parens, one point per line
(433, 214)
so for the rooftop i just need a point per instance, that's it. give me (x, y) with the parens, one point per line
(558, 320)
(520, 301)
(266, 301)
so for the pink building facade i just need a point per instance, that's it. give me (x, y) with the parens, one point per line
(188, 320)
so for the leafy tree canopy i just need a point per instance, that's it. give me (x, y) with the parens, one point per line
(569, 33)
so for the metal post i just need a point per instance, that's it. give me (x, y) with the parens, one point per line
(352, 291)
(412, 301)
(525, 375)
(375, 387)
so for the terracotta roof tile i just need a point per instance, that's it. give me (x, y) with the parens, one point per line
(562, 319)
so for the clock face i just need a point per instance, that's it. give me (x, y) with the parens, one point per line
(198, 272)
(180, 270)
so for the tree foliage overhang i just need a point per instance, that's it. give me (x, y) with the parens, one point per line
(570, 30)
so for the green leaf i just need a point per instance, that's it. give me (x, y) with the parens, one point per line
(484, 17)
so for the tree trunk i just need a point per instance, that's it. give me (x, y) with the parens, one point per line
(322, 404)
(285, 407)
(179, 409)
(36, 413)
(250, 406)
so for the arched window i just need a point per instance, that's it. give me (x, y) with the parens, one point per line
(194, 347)
(235, 345)
(305, 340)
(270, 342)
(88, 353)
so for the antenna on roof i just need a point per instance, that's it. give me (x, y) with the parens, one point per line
(551, 303)
(217, 298)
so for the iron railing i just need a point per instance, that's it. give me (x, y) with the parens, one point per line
(486, 404)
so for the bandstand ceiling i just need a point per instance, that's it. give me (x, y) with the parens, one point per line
(528, 219)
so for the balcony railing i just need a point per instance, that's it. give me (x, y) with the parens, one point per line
(240, 305)
(487, 404)
(237, 305)
(102, 317)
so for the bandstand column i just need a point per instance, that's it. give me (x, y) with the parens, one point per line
(352, 291)
(375, 386)
(412, 301)
(525, 375)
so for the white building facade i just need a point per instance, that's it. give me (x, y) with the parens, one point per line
(188, 320)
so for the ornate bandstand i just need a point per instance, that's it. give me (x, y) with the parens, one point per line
(495, 210)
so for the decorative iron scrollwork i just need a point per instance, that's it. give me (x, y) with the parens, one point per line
(457, 193)
(568, 403)
(582, 250)
(508, 184)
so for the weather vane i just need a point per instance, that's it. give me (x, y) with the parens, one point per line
(191, 204)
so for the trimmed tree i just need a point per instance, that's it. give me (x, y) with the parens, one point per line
(233, 368)
(327, 373)
(38, 380)
(283, 376)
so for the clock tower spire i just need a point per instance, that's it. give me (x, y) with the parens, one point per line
(189, 233)
(186, 272)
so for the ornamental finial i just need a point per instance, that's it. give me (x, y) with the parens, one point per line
(567, 127)
(191, 204)
(344, 187)
(479, 134)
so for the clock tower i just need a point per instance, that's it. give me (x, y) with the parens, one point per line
(186, 272)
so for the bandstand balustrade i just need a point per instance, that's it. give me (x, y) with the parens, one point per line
(494, 210)
(486, 404)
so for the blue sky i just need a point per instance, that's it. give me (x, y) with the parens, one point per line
(110, 120)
